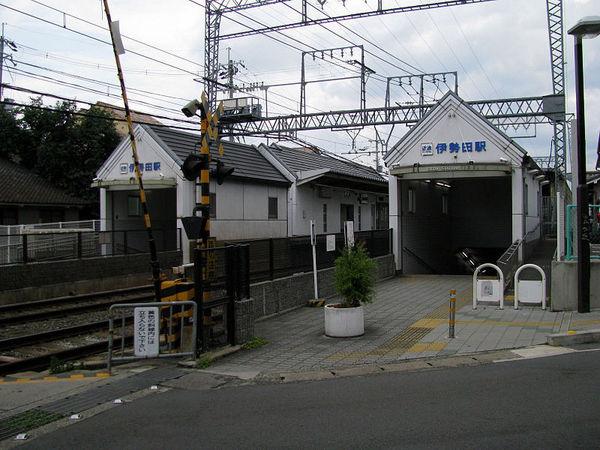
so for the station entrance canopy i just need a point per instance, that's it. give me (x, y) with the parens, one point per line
(454, 141)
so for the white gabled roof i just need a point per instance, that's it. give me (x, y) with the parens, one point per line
(452, 120)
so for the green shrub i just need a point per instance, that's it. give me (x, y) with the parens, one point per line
(354, 276)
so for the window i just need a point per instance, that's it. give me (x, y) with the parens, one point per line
(213, 205)
(373, 218)
(359, 218)
(272, 207)
(324, 217)
(412, 200)
(134, 206)
(445, 204)
(8, 216)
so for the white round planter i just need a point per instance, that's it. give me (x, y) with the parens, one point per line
(344, 322)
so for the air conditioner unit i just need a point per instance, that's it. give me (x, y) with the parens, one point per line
(324, 192)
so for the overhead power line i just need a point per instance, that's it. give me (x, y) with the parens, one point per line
(94, 116)
(364, 39)
(96, 81)
(49, 22)
(87, 89)
(137, 41)
(375, 12)
(73, 100)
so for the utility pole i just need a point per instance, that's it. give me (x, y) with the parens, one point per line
(230, 71)
(11, 46)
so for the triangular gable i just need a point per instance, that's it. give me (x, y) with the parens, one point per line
(157, 162)
(453, 133)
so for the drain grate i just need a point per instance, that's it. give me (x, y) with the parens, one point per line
(112, 390)
(25, 421)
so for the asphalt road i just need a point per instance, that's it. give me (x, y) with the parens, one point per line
(542, 403)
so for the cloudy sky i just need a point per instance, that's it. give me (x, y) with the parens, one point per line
(499, 49)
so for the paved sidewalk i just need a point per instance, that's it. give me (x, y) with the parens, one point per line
(408, 319)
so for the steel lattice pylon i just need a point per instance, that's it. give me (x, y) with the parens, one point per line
(212, 26)
(504, 112)
(557, 60)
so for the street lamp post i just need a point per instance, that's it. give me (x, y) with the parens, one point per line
(588, 27)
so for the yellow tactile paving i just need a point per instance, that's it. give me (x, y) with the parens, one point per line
(407, 341)
(503, 323)
(428, 323)
(585, 322)
(427, 347)
(54, 378)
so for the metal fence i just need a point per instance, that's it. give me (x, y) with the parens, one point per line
(281, 257)
(594, 231)
(226, 279)
(158, 330)
(53, 244)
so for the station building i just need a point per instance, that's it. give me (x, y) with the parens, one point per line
(273, 192)
(459, 186)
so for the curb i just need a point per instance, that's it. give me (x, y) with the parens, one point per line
(211, 356)
(409, 365)
(573, 337)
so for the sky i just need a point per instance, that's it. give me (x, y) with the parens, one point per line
(499, 49)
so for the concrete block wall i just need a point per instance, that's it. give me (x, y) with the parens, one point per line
(41, 280)
(564, 285)
(283, 294)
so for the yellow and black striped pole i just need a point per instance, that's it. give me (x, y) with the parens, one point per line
(200, 255)
(136, 163)
(452, 314)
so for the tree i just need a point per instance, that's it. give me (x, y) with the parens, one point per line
(62, 145)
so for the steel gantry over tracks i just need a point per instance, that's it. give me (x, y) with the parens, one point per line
(503, 113)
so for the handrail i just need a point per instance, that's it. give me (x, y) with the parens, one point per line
(418, 258)
(507, 262)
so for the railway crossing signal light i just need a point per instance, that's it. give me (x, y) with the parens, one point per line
(192, 166)
(222, 171)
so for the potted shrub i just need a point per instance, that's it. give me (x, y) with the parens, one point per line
(354, 279)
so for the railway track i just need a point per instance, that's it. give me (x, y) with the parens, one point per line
(30, 328)
(64, 306)
(41, 362)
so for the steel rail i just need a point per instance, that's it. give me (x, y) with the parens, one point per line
(43, 361)
(54, 335)
(42, 315)
(70, 299)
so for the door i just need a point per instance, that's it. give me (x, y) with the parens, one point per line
(346, 214)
